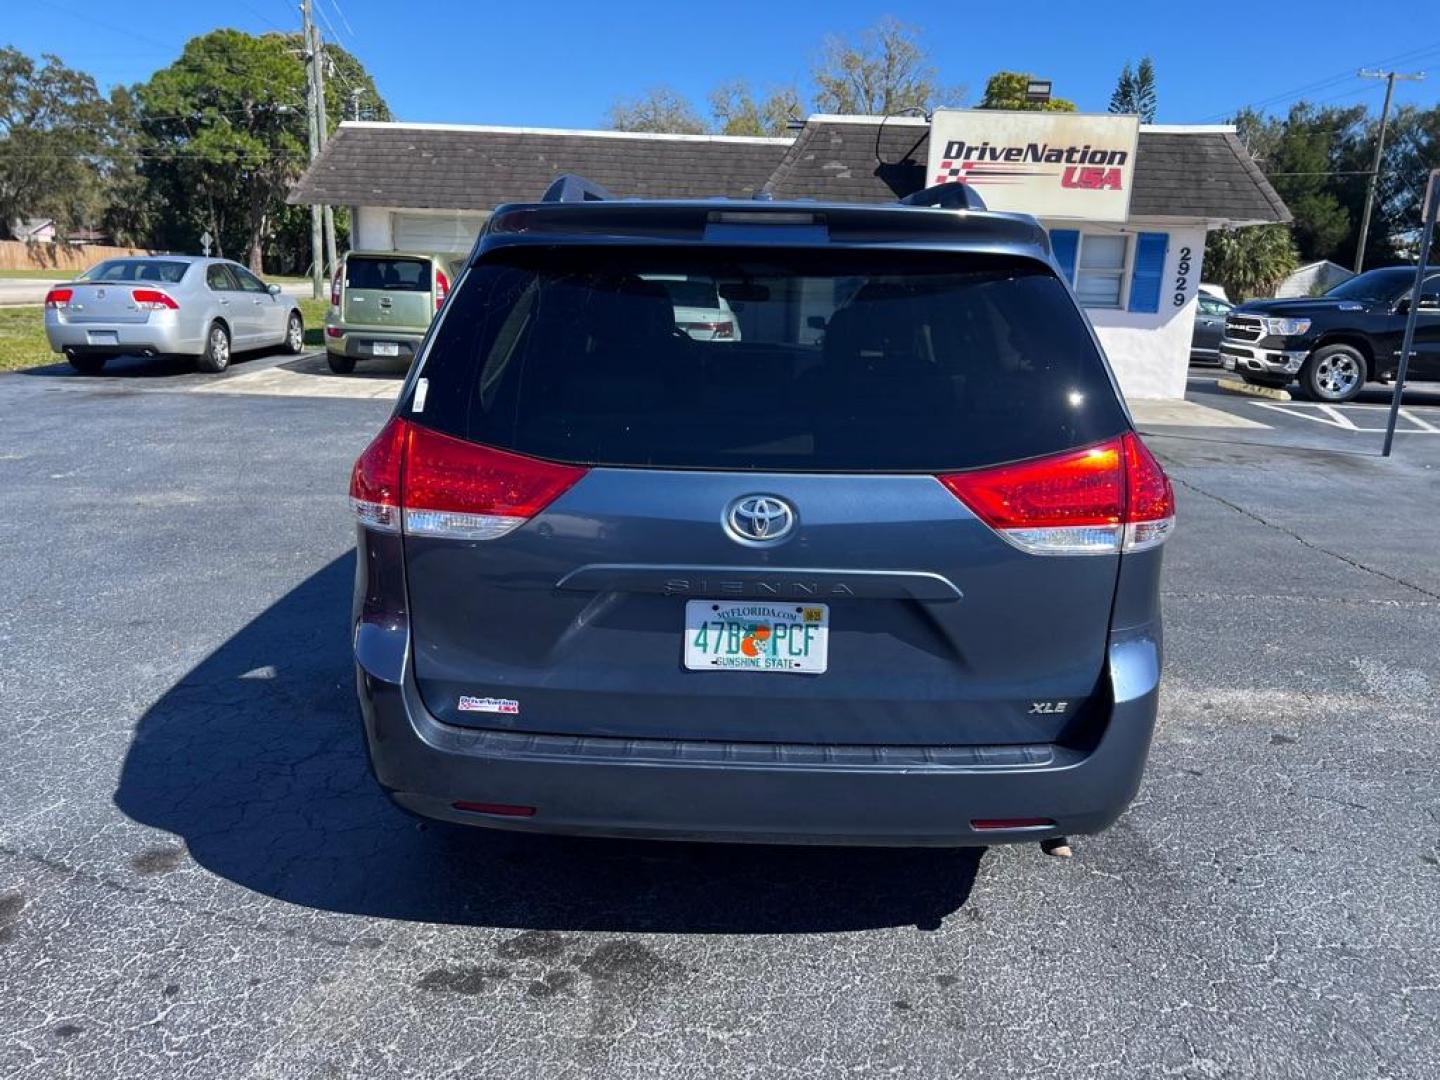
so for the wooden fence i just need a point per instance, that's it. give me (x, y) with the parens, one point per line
(52, 258)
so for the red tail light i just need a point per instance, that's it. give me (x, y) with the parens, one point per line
(59, 298)
(435, 485)
(719, 329)
(154, 300)
(335, 286)
(1097, 500)
(442, 288)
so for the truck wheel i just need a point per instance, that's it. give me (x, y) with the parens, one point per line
(295, 334)
(86, 363)
(1333, 373)
(340, 364)
(216, 357)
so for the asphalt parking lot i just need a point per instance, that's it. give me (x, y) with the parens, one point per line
(198, 876)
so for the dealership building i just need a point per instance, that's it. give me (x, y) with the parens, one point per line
(1127, 205)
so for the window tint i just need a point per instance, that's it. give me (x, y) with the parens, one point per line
(392, 275)
(1375, 285)
(219, 278)
(847, 362)
(691, 292)
(248, 281)
(136, 270)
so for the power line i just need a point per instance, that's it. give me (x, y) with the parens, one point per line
(341, 12)
(1390, 78)
(1330, 80)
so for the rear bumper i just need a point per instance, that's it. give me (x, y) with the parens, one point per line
(128, 338)
(761, 793)
(359, 341)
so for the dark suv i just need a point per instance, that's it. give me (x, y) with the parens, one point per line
(1336, 342)
(882, 569)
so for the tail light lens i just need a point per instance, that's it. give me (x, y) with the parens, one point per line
(154, 300)
(1097, 500)
(718, 329)
(335, 286)
(418, 481)
(59, 298)
(442, 288)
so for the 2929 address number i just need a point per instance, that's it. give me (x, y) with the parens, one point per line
(1182, 278)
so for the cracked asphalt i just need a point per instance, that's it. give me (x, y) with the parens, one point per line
(199, 878)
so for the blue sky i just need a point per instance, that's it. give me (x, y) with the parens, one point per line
(561, 64)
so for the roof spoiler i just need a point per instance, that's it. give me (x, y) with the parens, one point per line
(570, 188)
(947, 197)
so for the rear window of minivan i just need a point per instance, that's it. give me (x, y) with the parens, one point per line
(846, 361)
(391, 275)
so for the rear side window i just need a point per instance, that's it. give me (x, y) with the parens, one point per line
(137, 270)
(392, 275)
(864, 361)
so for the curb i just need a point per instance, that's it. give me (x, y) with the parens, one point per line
(1235, 386)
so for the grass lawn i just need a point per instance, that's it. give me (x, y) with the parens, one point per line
(22, 338)
(39, 274)
(23, 344)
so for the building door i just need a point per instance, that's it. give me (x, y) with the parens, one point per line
(452, 233)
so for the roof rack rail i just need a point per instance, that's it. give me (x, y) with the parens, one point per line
(952, 196)
(572, 188)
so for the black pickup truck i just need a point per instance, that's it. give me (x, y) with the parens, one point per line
(1333, 344)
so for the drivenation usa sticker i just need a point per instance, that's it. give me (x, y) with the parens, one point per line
(488, 704)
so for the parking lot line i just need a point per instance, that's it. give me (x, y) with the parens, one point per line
(1332, 416)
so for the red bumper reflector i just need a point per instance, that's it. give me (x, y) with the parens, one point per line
(334, 331)
(499, 809)
(987, 824)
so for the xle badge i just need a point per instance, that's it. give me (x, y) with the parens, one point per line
(1048, 708)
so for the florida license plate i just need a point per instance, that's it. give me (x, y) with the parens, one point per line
(746, 635)
(386, 348)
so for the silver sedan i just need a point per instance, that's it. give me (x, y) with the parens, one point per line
(154, 305)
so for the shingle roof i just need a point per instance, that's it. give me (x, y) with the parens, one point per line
(472, 168)
(1204, 173)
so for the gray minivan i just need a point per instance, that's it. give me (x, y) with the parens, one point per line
(882, 570)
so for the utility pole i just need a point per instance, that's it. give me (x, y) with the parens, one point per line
(320, 126)
(1390, 77)
(317, 253)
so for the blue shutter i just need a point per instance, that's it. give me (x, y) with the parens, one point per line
(1065, 243)
(1149, 271)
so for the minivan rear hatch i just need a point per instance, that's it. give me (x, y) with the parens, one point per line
(637, 460)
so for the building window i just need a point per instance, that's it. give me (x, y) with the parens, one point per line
(1101, 269)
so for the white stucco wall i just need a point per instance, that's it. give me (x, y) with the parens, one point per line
(371, 229)
(1150, 352)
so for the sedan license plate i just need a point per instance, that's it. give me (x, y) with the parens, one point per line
(746, 635)
(386, 348)
(103, 337)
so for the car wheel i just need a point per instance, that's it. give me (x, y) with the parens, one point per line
(295, 335)
(1333, 373)
(86, 363)
(340, 364)
(1260, 380)
(216, 357)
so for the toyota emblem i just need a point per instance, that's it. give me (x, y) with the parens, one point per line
(760, 519)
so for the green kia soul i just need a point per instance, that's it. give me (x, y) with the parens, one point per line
(381, 304)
